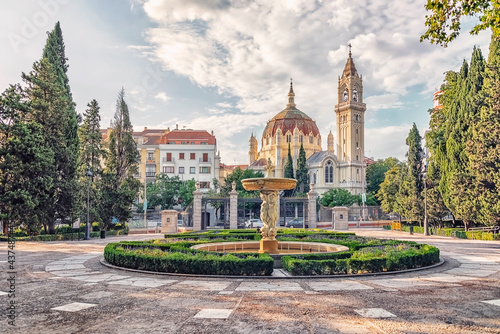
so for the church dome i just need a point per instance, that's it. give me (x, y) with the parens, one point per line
(289, 119)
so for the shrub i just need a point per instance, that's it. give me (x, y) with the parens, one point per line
(178, 259)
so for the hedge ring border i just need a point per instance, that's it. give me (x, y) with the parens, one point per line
(109, 265)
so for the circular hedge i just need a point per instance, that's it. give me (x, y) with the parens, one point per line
(174, 255)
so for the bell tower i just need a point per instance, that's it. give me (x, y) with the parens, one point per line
(350, 112)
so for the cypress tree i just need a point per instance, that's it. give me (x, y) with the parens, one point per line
(301, 174)
(410, 195)
(288, 172)
(91, 156)
(484, 147)
(117, 187)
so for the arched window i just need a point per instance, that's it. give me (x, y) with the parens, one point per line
(314, 178)
(301, 139)
(355, 95)
(311, 138)
(267, 140)
(288, 138)
(329, 172)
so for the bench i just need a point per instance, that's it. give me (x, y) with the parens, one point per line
(493, 229)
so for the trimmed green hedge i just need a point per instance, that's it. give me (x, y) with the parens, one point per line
(64, 236)
(454, 232)
(353, 263)
(179, 259)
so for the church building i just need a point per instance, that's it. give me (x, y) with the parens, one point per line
(340, 166)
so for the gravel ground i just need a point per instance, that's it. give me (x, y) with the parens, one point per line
(447, 299)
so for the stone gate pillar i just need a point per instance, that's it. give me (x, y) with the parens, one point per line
(197, 194)
(312, 196)
(233, 207)
(340, 220)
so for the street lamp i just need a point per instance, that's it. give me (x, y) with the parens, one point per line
(89, 175)
(363, 177)
(426, 223)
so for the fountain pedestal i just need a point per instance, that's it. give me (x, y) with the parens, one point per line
(269, 212)
(269, 246)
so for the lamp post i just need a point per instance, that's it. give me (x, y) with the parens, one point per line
(426, 223)
(363, 177)
(89, 175)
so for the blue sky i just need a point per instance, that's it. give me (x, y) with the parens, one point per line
(225, 65)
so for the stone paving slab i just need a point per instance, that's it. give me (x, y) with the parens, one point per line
(495, 302)
(446, 278)
(73, 307)
(268, 286)
(401, 283)
(374, 313)
(142, 282)
(202, 285)
(342, 285)
(214, 314)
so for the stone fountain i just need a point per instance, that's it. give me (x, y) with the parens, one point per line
(269, 210)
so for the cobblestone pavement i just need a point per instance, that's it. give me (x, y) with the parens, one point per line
(61, 287)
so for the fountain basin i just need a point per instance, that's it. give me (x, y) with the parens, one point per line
(269, 183)
(284, 248)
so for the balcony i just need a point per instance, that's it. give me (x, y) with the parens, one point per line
(150, 161)
(205, 161)
(171, 161)
(150, 174)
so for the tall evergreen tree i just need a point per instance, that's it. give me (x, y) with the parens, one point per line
(389, 189)
(25, 164)
(49, 109)
(117, 187)
(288, 172)
(91, 155)
(301, 173)
(410, 194)
(484, 147)
(91, 150)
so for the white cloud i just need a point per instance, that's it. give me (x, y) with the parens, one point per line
(162, 96)
(387, 141)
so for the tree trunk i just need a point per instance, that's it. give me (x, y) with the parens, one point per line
(52, 227)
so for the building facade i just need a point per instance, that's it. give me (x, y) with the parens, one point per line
(344, 167)
(190, 154)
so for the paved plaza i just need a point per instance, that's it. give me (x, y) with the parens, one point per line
(61, 287)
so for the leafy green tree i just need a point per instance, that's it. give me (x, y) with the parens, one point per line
(118, 188)
(168, 192)
(66, 155)
(338, 197)
(388, 191)
(236, 176)
(375, 174)
(301, 174)
(25, 164)
(443, 24)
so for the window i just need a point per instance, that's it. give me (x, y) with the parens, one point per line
(204, 185)
(301, 139)
(204, 170)
(329, 172)
(183, 143)
(151, 156)
(150, 171)
(356, 131)
(181, 170)
(181, 156)
(169, 156)
(288, 138)
(204, 143)
(311, 139)
(267, 141)
(205, 157)
(192, 156)
(314, 178)
(168, 169)
(192, 170)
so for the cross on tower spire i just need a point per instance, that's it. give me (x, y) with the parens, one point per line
(349, 45)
